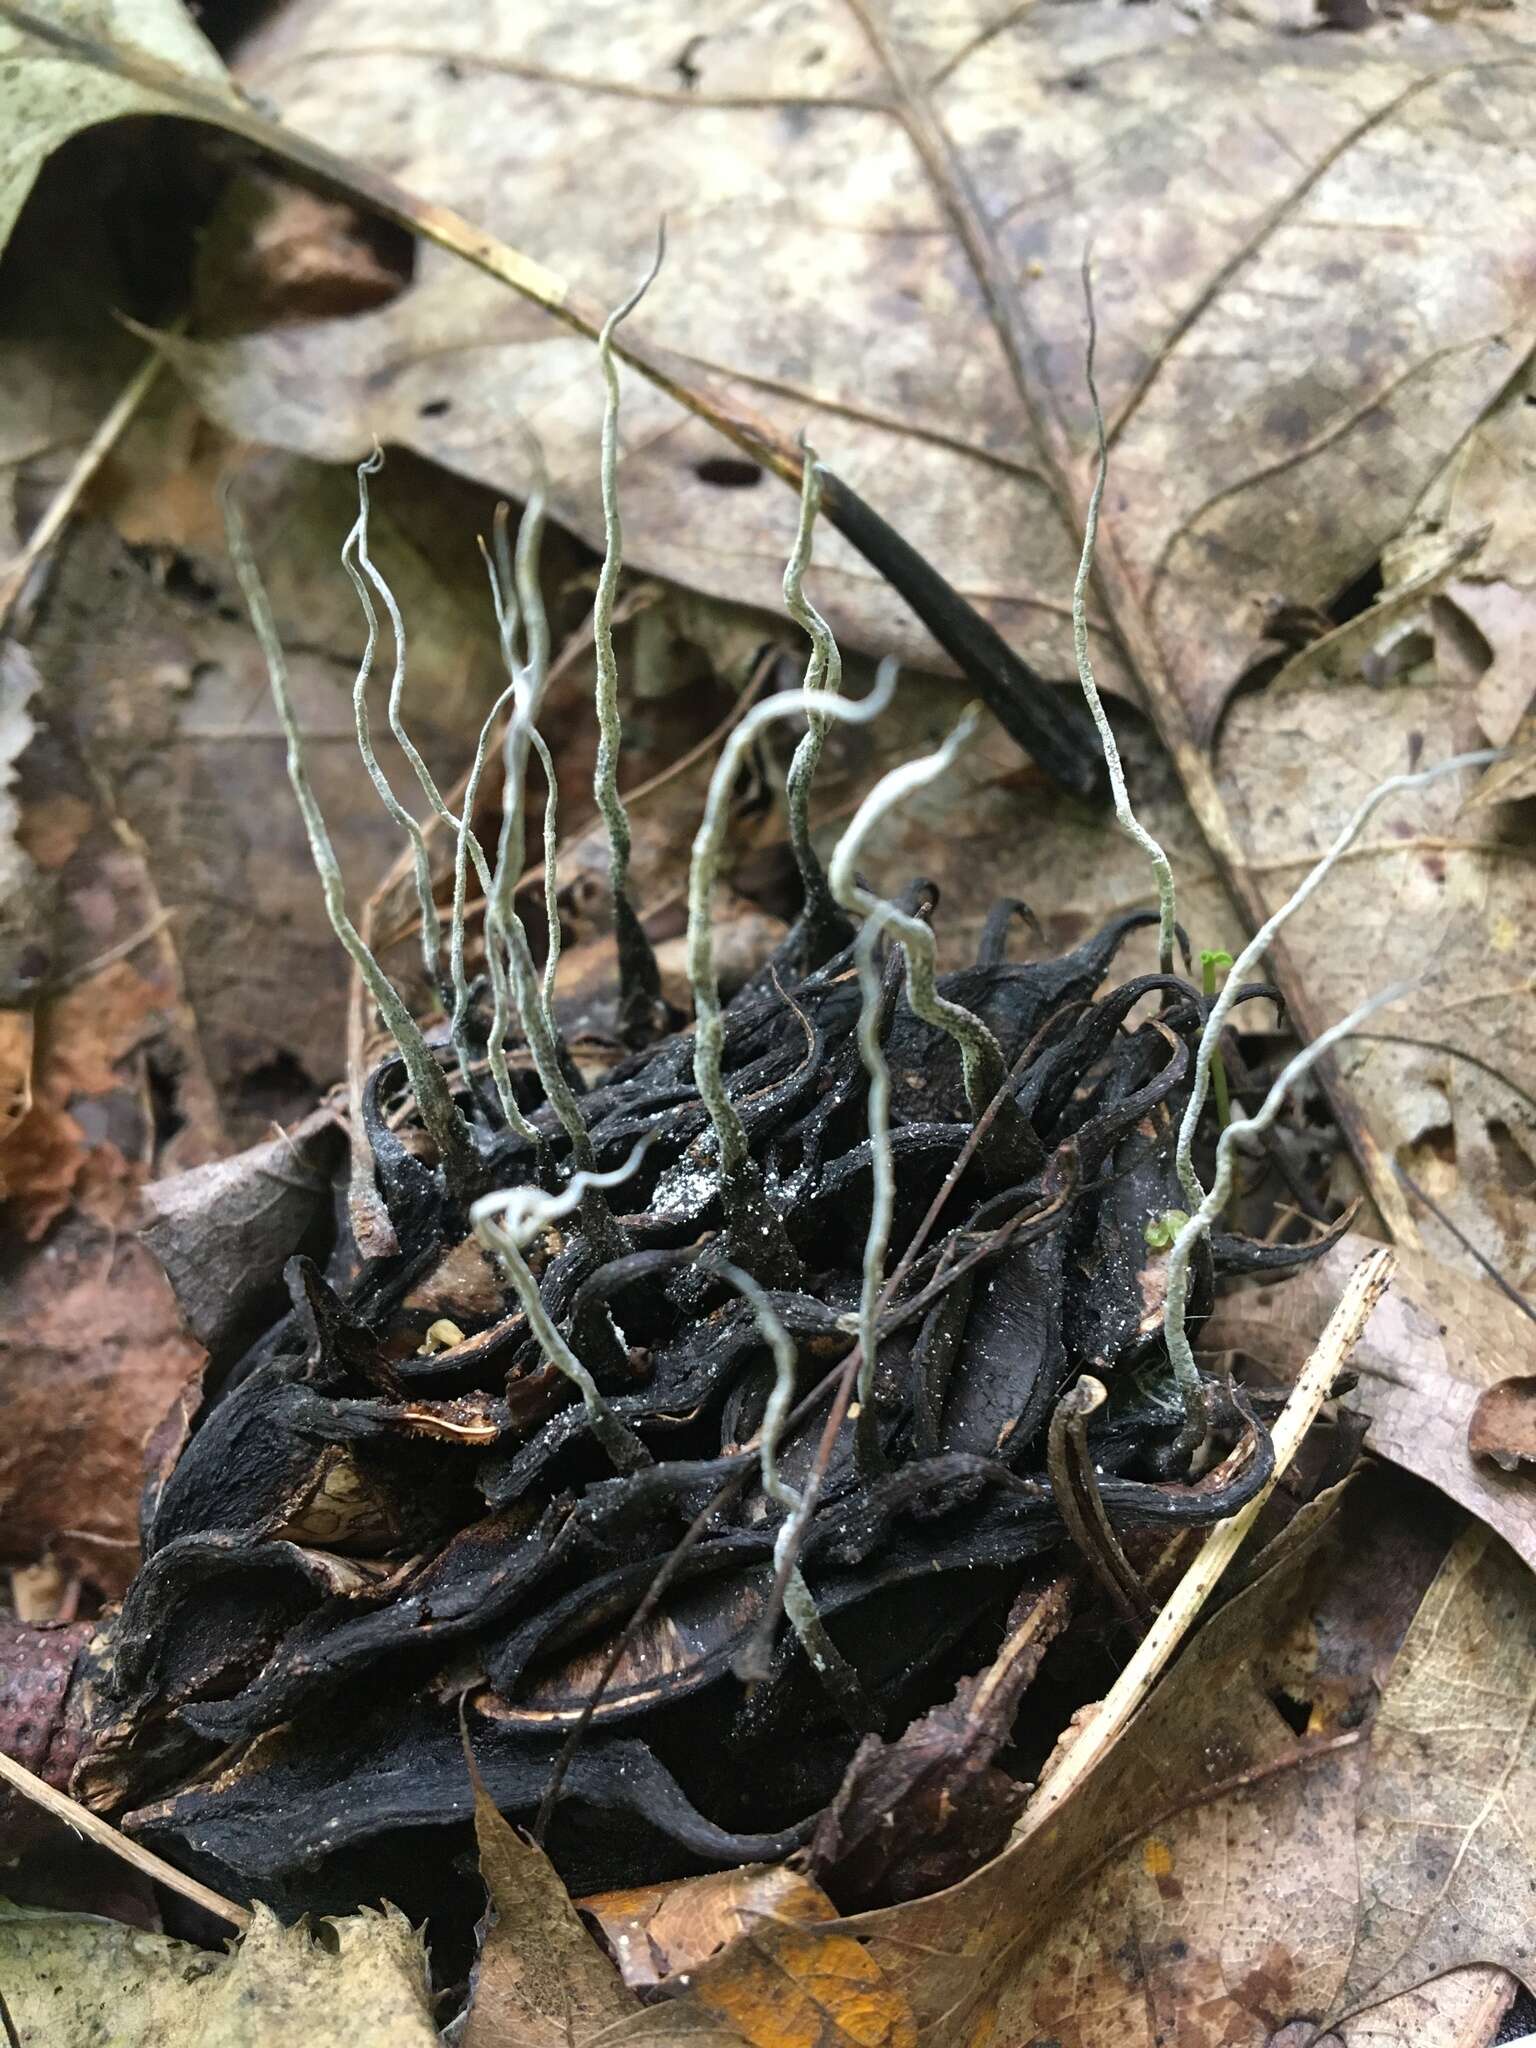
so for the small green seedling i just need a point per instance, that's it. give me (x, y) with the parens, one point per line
(1162, 1230)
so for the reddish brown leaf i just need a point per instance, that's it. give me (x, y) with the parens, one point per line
(924, 1811)
(662, 1931)
(1503, 1425)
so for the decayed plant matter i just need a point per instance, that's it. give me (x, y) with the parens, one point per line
(745, 1437)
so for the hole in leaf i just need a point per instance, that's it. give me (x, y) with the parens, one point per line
(1295, 1713)
(1356, 597)
(277, 1088)
(730, 472)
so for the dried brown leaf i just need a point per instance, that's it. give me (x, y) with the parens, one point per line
(1447, 1870)
(43, 102)
(916, 1814)
(1503, 1425)
(92, 1355)
(907, 386)
(1437, 1341)
(541, 1981)
(224, 1231)
(661, 1931)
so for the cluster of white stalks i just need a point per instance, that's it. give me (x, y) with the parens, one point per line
(510, 1220)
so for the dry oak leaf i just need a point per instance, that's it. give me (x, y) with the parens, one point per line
(44, 99)
(1503, 1425)
(909, 199)
(76, 1981)
(1448, 1869)
(1436, 1342)
(660, 1931)
(540, 1980)
(223, 1231)
(92, 1356)
(1267, 204)
(1202, 1891)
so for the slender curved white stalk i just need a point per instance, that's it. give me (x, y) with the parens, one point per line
(822, 1653)
(882, 1165)
(916, 940)
(527, 693)
(981, 1057)
(505, 1222)
(434, 1101)
(1198, 1225)
(1128, 821)
(610, 731)
(824, 672)
(465, 843)
(551, 869)
(1249, 958)
(504, 927)
(357, 540)
(709, 1032)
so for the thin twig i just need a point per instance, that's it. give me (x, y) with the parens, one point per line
(96, 1830)
(1362, 1291)
(1069, 1462)
(14, 578)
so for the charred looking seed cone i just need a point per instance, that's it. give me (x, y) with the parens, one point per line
(368, 1528)
(577, 1473)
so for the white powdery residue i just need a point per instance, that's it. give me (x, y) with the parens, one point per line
(682, 1189)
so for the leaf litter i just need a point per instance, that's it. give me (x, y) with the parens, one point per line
(743, 2001)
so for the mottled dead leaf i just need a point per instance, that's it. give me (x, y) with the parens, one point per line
(224, 1231)
(1436, 1343)
(541, 1981)
(75, 1981)
(830, 279)
(661, 1931)
(42, 1722)
(1503, 1425)
(92, 1355)
(1448, 1875)
(44, 99)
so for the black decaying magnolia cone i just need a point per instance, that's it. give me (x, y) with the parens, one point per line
(375, 1537)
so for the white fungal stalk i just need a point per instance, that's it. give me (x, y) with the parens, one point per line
(823, 1655)
(916, 939)
(1251, 955)
(1128, 821)
(357, 542)
(434, 1101)
(709, 1033)
(823, 674)
(639, 983)
(1200, 1222)
(981, 1057)
(506, 1222)
(506, 937)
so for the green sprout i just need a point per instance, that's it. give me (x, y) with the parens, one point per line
(1162, 1230)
